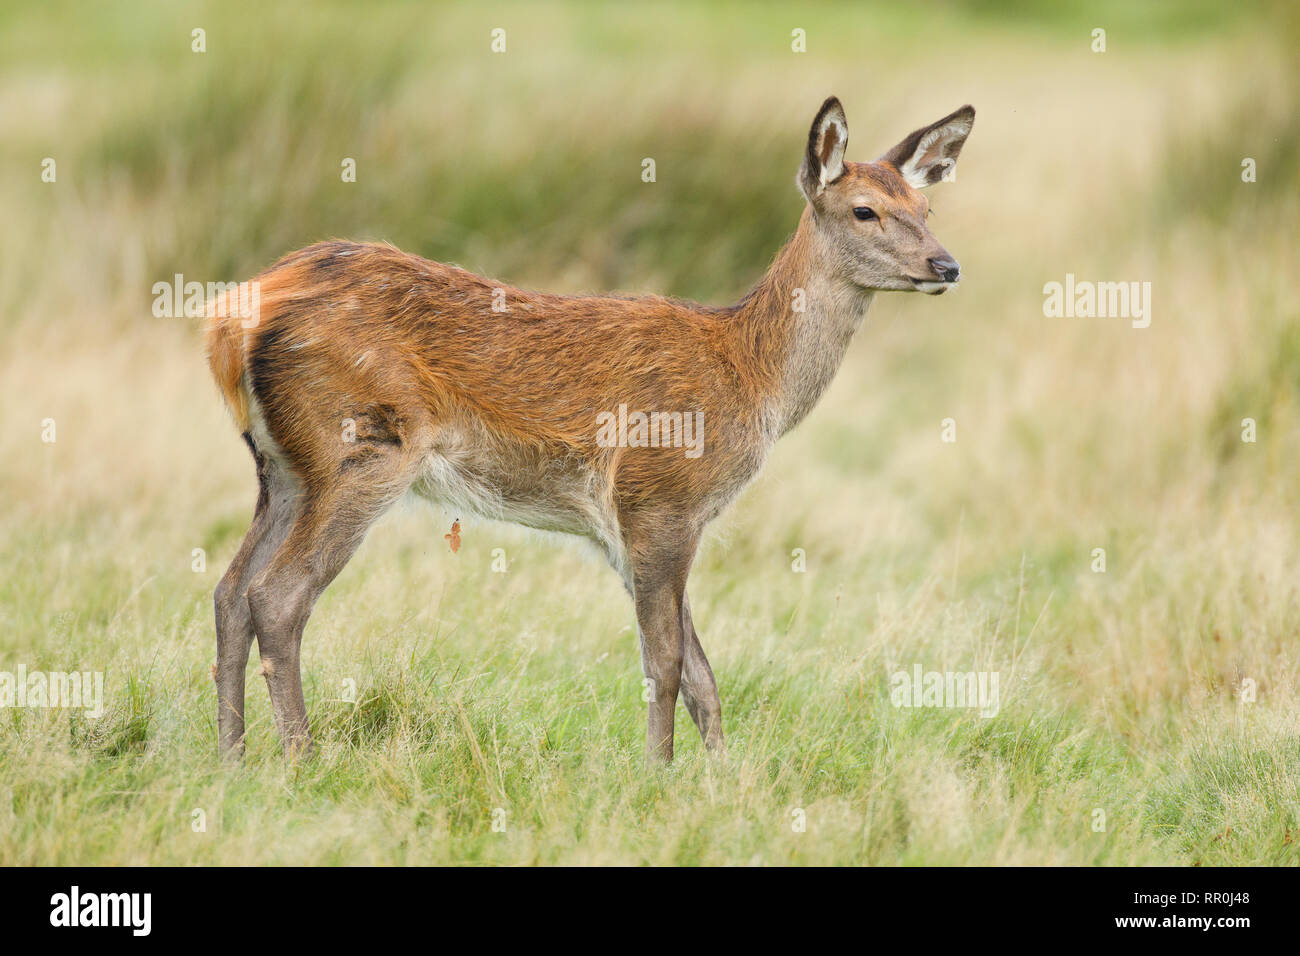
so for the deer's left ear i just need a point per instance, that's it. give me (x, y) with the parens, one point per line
(823, 162)
(930, 153)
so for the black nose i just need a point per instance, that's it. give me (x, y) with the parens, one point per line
(946, 268)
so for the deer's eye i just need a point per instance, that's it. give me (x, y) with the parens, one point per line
(865, 213)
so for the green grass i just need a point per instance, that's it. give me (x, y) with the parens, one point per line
(441, 692)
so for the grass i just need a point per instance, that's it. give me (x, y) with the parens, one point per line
(447, 696)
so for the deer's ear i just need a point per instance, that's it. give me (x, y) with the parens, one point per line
(823, 162)
(930, 154)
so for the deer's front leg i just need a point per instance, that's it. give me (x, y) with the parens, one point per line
(661, 553)
(658, 614)
(699, 688)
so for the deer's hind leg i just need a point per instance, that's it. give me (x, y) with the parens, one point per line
(330, 525)
(234, 623)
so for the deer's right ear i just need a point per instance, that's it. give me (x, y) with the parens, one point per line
(823, 163)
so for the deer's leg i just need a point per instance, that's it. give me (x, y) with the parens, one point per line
(699, 689)
(234, 639)
(234, 623)
(660, 556)
(324, 536)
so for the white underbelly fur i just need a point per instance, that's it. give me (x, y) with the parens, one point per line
(566, 502)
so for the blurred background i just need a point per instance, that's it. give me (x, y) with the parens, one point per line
(1121, 690)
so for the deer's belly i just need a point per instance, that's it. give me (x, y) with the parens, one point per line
(520, 487)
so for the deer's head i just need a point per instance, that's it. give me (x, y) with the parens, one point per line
(872, 216)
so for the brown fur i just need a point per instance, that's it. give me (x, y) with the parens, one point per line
(403, 346)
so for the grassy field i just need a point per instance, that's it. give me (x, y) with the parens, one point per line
(1164, 692)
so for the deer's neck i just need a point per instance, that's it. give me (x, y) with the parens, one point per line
(796, 326)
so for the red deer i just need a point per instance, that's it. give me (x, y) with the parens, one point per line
(369, 372)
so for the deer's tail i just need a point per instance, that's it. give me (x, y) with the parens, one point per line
(225, 336)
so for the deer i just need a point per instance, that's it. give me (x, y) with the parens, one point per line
(369, 374)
